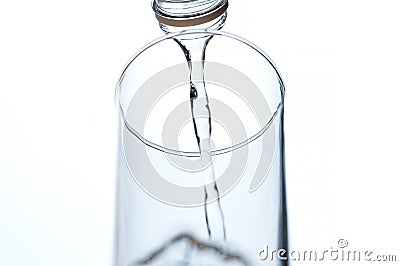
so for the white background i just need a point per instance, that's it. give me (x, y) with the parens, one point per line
(59, 63)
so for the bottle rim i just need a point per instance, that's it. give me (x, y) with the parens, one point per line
(189, 19)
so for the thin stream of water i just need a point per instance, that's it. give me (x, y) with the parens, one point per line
(194, 50)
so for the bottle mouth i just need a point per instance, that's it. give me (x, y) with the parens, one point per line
(188, 13)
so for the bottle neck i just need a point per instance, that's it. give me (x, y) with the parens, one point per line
(174, 15)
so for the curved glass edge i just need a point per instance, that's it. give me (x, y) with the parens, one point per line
(188, 32)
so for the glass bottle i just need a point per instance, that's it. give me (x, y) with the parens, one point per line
(201, 169)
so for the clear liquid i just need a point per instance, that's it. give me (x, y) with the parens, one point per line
(201, 117)
(195, 251)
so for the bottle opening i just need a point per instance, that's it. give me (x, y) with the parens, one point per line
(188, 13)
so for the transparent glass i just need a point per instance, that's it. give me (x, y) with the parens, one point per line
(182, 200)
